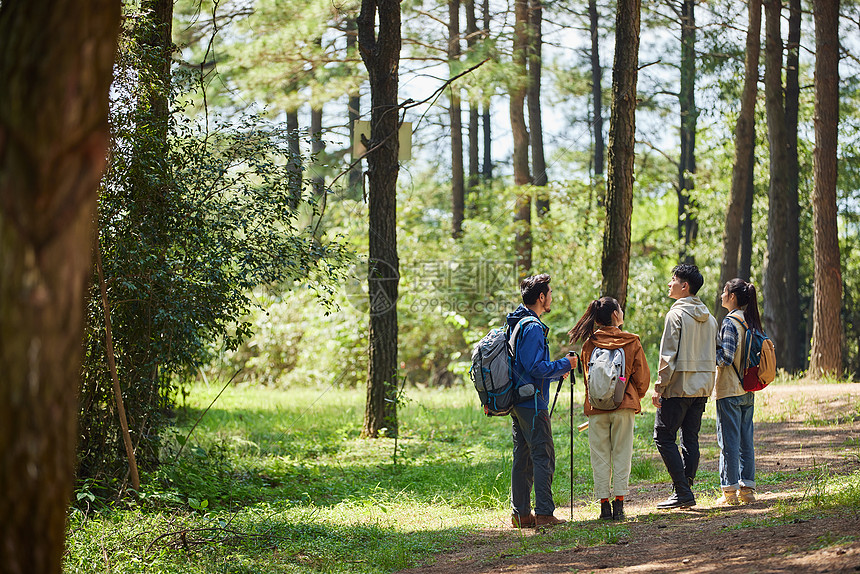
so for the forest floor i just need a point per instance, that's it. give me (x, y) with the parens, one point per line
(794, 526)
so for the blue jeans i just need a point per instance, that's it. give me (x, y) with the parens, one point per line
(534, 462)
(735, 437)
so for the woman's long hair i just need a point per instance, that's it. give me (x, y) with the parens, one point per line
(599, 311)
(747, 300)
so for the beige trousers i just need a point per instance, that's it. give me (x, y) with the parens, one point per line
(610, 437)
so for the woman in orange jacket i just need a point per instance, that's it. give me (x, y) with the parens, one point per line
(610, 432)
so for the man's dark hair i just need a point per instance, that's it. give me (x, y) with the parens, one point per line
(690, 274)
(532, 287)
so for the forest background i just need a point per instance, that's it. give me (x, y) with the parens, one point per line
(239, 241)
(234, 215)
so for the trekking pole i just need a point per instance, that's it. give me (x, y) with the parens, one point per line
(558, 388)
(572, 382)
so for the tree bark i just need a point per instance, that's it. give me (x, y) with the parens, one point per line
(744, 156)
(354, 109)
(295, 169)
(487, 169)
(522, 178)
(56, 61)
(615, 263)
(535, 43)
(596, 92)
(688, 227)
(826, 355)
(781, 310)
(317, 149)
(474, 112)
(455, 113)
(380, 51)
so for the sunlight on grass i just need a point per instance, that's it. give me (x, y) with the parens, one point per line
(280, 481)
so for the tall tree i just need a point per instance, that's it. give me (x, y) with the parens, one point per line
(535, 65)
(615, 263)
(354, 104)
(455, 113)
(522, 177)
(781, 308)
(53, 144)
(596, 91)
(826, 355)
(379, 40)
(472, 37)
(742, 170)
(317, 141)
(688, 225)
(486, 124)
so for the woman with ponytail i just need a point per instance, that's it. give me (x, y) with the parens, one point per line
(610, 433)
(735, 406)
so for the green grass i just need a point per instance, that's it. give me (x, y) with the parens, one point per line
(280, 481)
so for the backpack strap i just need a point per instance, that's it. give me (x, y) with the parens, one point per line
(744, 350)
(513, 343)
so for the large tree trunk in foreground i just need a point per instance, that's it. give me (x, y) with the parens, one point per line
(781, 309)
(744, 150)
(56, 61)
(380, 50)
(826, 355)
(615, 264)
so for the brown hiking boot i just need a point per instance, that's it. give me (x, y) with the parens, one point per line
(729, 498)
(548, 520)
(747, 495)
(523, 522)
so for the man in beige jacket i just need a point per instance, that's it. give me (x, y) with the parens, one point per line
(688, 353)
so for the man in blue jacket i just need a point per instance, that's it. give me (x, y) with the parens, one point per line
(534, 451)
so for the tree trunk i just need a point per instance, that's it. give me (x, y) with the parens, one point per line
(487, 170)
(295, 169)
(826, 355)
(458, 186)
(380, 50)
(535, 123)
(688, 227)
(615, 262)
(317, 149)
(781, 313)
(474, 112)
(799, 350)
(56, 67)
(745, 263)
(596, 92)
(354, 109)
(744, 150)
(522, 178)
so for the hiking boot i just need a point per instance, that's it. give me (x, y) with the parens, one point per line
(605, 511)
(523, 522)
(747, 495)
(548, 520)
(682, 496)
(678, 501)
(618, 509)
(729, 498)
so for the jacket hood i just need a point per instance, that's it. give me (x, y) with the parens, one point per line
(519, 313)
(693, 307)
(612, 338)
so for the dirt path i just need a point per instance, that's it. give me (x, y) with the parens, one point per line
(819, 430)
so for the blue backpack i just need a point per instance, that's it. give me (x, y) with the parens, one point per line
(492, 370)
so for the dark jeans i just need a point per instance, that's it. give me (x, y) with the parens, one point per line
(534, 461)
(684, 414)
